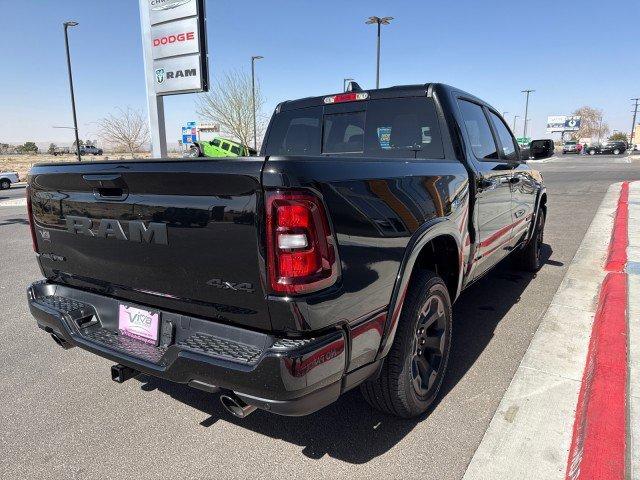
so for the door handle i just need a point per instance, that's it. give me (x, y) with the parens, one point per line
(108, 186)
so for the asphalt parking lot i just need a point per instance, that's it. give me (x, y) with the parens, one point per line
(64, 417)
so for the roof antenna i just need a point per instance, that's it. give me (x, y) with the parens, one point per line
(353, 87)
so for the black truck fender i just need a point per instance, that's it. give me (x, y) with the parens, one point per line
(438, 227)
(541, 199)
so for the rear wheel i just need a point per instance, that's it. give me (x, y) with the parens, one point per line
(530, 258)
(5, 184)
(592, 152)
(616, 151)
(414, 369)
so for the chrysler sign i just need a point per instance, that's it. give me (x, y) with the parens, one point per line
(167, 10)
(177, 42)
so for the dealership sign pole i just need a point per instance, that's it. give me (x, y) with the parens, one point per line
(175, 57)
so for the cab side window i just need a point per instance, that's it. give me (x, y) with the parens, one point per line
(478, 131)
(225, 146)
(509, 149)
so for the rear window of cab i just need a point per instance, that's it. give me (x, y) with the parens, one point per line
(397, 128)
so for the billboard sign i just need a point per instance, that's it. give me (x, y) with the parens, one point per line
(563, 123)
(176, 38)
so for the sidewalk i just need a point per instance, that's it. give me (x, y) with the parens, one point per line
(564, 414)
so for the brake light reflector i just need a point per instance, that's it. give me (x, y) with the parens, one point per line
(302, 254)
(346, 97)
(32, 227)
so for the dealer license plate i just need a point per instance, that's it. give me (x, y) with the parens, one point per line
(138, 323)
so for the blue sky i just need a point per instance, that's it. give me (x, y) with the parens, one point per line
(572, 53)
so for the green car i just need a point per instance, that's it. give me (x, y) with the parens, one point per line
(220, 148)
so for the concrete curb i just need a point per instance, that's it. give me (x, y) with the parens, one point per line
(531, 431)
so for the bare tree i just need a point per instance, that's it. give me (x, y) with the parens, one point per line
(230, 105)
(591, 123)
(126, 129)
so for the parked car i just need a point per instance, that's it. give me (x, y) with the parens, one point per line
(570, 147)
(7, 178)
(61, 151)
(541, 148)
(220, 147)
(330, 261)
(614, 147)
(90, 150)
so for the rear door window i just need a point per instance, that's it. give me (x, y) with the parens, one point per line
(225, 146)
(478, 131)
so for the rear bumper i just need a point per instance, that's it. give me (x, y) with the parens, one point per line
(284, 376)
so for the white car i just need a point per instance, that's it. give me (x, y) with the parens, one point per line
(7, 178)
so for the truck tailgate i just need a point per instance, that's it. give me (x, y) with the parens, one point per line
(180, 235)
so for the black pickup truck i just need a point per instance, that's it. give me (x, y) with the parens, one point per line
(284, 280)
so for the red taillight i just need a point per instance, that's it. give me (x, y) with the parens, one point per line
(32, 227)
(346, 97)
(302, 254)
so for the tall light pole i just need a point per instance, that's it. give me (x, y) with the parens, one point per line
(379, 22)
(345, 83)
(504, 114)
(253, 96)
(515, 117)
(68, 24)
(633, 125)
(526, 111)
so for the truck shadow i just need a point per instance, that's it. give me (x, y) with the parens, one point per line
(350, 430)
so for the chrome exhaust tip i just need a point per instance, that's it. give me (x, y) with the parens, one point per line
(236, 407)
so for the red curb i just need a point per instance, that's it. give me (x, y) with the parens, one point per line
(617, 258)
(598, 445)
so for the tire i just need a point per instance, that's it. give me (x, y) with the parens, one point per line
(592, 152)
(5, 184)
(194, 151)
(399, 389)
(528, 259)
(616, 151)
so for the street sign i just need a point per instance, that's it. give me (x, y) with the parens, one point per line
(523, 141)
(189, 133)
(563, 123)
